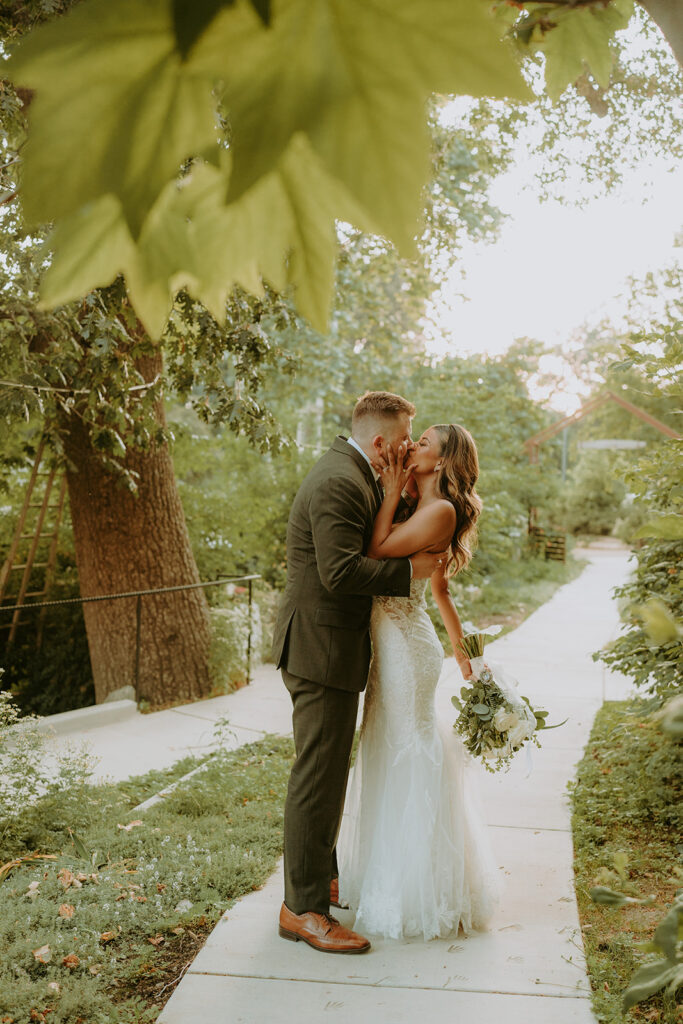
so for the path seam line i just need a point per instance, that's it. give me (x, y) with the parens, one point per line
(393, 988)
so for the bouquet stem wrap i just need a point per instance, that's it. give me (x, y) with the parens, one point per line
(478, 665)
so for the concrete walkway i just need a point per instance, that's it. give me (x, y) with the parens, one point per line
(528, 968)
(125, 742)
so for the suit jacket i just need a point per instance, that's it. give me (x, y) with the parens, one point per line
(323, 626)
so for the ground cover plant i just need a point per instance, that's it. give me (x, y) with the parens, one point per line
(627, 820)
(103, 925)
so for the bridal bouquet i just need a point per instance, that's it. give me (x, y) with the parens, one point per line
(494, 721)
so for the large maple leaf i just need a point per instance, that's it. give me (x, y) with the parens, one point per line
(326, 106)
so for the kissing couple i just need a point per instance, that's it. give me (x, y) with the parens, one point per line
(376, 517)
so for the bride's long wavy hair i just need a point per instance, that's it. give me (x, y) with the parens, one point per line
(456, 482)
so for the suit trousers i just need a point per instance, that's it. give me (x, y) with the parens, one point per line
(324, 721)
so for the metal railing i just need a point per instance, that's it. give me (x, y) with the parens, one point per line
(138, 595)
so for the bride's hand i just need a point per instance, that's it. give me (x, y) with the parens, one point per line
(465, 668)
(394, 475)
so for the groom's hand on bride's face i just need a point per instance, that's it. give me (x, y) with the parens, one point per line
(390, 464)
(392, 455)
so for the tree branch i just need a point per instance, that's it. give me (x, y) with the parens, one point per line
(668, 14)
(73, 391)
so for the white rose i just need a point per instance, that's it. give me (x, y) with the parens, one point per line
(503, 720)
(522, 731)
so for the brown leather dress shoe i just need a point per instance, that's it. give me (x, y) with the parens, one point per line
(321, 931)
(334, 895)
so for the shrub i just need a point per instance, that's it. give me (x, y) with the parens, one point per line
(230, 627)
(655, 664)
(632, 516)
(593, 494)
(26, 772)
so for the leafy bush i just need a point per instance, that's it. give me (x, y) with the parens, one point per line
(655, 666)
(663, 971)
(230, 628)
(630, 518)
(230, 633)
(655, 662)
(236, 500)
(666, 970)
(25, 771)
(55, 676)
(593, 494)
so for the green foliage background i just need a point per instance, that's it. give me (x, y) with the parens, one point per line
(656, 481)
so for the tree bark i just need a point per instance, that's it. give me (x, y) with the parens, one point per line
(130, 542)
(668, 14)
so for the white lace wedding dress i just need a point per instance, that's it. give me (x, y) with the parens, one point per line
(413, 857)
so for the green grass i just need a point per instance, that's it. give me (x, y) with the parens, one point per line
(627, 817)
(141, 787)
(148, 894)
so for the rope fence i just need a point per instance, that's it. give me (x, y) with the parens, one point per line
(138, 595)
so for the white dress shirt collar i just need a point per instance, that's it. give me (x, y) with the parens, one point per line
(354, 444)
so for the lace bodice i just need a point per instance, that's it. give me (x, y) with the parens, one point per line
(399, 608)
(406, 664)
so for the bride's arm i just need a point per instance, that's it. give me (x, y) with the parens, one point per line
(450, 617)
(425, 529)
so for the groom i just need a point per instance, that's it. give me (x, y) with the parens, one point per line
(322, 645)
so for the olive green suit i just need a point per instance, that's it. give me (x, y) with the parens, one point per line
(322, 645)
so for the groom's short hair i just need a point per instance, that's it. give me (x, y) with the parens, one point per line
(380, 405)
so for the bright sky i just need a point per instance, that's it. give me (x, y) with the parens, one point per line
(555, 267)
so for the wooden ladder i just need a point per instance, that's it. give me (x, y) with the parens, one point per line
(23, 553)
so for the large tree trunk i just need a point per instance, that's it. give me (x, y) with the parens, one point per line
(130, 542)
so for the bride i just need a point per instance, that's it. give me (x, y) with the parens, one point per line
(413, 858)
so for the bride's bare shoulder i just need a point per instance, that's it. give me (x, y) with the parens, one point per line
(437, 517)
(442, 507)
(438, 510)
